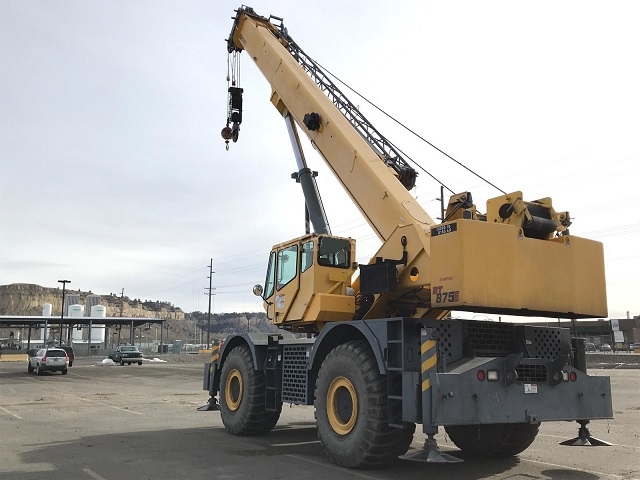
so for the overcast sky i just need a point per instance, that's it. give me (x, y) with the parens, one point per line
(113, 173)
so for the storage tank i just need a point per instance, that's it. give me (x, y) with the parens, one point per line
(91, 301)
(77, 333)
(70, 299)
(99, 311)
(76, 311)
(98, 331)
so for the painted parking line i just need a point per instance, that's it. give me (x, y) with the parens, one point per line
(331, 466)
(87, 378)
(92, 474)
(101, 403)
(567, 467)
(294, 444)
(11, 413)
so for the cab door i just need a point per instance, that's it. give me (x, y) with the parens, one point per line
(287, 280)
(269, 287)
(283, 282)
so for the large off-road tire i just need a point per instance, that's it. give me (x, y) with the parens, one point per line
(242, 396)
(351, 410)
(494, 440)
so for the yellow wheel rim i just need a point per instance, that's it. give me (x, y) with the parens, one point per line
(342, 405)
(233, 390)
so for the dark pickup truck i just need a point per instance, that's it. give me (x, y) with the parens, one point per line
(126, 354)
(70, 353)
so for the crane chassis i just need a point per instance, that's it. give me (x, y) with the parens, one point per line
(379, 354)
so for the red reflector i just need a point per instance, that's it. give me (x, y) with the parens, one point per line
(481, 376)
(44, 359)
(573, 376)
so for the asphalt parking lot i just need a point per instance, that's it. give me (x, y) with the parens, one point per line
(141, 422)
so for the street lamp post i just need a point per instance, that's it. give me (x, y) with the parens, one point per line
(64, 284)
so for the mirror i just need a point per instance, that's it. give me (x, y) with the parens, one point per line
(257, 290)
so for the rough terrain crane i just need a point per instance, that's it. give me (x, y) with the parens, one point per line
(381, 351)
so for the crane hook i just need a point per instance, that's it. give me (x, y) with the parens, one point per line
(227, 134)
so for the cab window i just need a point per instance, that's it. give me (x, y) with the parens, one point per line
(269, 282)
(334, 252)
(287, 265)
(306, 257)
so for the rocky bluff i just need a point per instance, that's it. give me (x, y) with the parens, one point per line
(28, 299)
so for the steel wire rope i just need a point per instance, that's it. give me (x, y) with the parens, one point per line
(171, 277)
(622, 258)
(415, 134)
(614, 231)
(627, 202)
(258, 253)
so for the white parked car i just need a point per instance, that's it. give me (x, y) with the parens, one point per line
(53, 359)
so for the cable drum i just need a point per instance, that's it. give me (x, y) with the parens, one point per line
(541, 225)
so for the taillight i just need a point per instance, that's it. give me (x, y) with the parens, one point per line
(490, 375)
(569, 376)
(44, 359)
(66, 357)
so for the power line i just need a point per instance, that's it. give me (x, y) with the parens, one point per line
(416, 135)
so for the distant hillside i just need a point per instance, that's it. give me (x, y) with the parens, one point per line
(28, 299)
(224, 323)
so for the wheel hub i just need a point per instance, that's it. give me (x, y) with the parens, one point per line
(233, 390)
(342, 405)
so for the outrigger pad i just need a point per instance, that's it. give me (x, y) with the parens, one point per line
(430, 453)
(584, 438)
(212, 404)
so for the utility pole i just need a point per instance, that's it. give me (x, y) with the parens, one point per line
(442, 211)
(210, 277)
(121, 310)
(64, 284)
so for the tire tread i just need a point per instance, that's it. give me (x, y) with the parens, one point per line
(494, 440)
(251, 418)
(379, 445)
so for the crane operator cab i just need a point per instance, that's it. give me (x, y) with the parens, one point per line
(308, 282)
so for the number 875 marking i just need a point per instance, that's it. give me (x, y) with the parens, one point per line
(450, 297)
